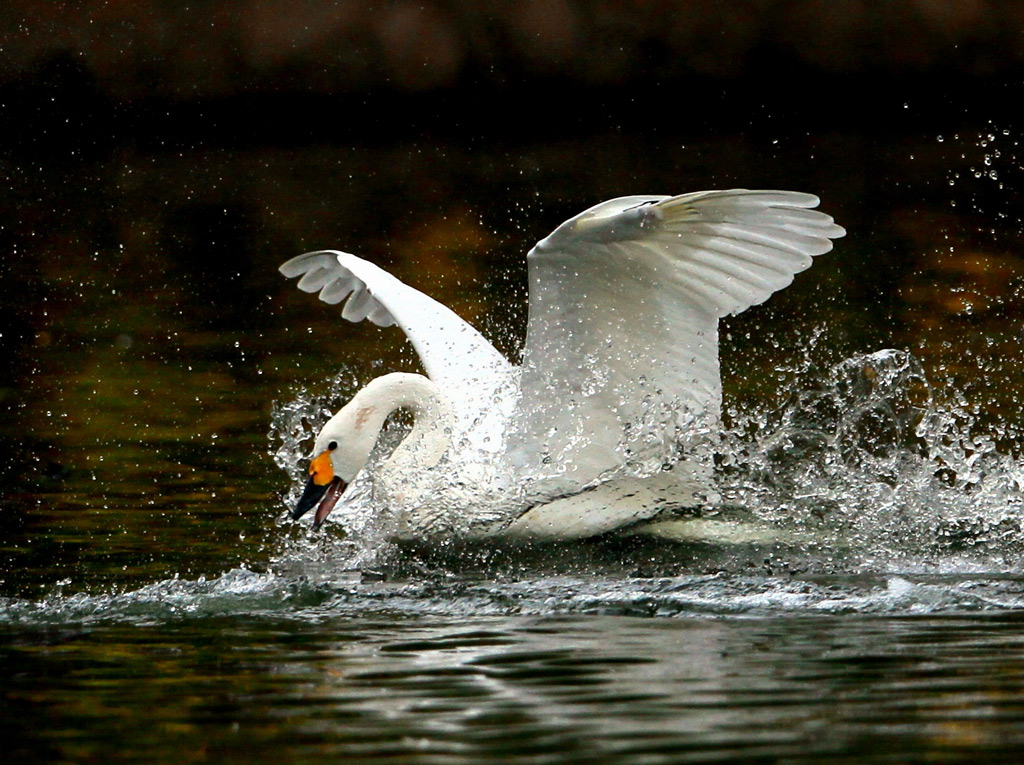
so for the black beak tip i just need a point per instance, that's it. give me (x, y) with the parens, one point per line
(311, 496)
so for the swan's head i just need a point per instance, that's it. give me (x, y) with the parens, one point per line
(344, 445)
(339, 453)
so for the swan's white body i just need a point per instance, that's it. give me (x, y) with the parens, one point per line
(620, 365)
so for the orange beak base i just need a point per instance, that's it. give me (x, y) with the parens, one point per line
(323, 490)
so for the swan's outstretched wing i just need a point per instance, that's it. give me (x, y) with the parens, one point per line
(453, 354)
(624, 306)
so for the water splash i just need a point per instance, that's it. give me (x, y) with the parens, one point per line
(346, 594)
(871, 461)
(237, 591)
(295, 423)
(294, 426)
(864, 468)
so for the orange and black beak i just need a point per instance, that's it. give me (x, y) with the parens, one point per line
(323, 490)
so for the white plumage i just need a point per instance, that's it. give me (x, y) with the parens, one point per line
(621, 353)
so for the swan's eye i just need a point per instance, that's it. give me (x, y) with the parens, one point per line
(332, 446)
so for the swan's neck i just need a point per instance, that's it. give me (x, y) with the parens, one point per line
(432, 415)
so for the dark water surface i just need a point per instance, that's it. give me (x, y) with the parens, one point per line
(157, 606)
(425, 688)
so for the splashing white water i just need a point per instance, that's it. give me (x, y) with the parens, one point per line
(365, 525)
(870, 461)
(280, 595)
(865, 463)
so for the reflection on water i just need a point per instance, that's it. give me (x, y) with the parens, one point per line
(155, 600)
(552, 688)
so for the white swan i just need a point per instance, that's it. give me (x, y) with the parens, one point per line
(620, 364)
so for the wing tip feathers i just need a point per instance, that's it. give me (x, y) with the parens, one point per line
(308, 261)
(324, 271)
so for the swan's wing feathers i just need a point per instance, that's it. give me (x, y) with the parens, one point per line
(625, 300)
(323, 272)
(759, 238)
(452, 352)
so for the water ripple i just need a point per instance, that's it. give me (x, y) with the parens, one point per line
(241, 592)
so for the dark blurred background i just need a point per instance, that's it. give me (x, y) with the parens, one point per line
(161, 159)
(76, 77)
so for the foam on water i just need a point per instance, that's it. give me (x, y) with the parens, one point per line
(244, 593)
